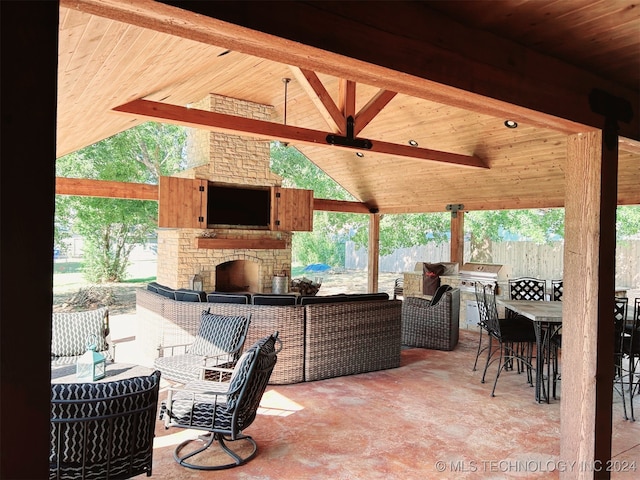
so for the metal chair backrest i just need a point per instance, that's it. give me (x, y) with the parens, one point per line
(493, 322)
(220, 335)
(527, 288)
(556, 290)
(619, 318)
(249, 381)
(620, 309)
(103, 430)
(482, 306)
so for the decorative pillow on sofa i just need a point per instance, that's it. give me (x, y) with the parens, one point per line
(70, 332)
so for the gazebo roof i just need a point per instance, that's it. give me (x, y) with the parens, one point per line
(446, 75)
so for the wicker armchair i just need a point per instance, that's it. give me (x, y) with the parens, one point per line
(103, 430)
(223, 410)
(212, 355)
(431, 326)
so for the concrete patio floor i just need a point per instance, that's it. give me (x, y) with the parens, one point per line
(429, 418)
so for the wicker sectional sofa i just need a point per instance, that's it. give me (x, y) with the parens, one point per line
(352, 334)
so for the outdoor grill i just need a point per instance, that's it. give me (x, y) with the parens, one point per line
(465, 279)
(470, 273)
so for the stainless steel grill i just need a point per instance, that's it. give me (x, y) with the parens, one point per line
(470, 273)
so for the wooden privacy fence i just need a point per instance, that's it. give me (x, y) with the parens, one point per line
(525, 259)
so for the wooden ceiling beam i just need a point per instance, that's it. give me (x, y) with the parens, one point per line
(219, 122)
(84, 187)
(342, 206)
(103, 188)
(321, 98)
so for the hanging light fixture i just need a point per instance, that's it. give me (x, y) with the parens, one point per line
(286, 91)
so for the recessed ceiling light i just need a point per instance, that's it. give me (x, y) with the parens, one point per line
(413, 143)
(511, 124)
(360, 154)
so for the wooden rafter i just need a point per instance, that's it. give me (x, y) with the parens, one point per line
(318, 94)
(347, 97)
(336, 114)
(272, 131)
(372, 108)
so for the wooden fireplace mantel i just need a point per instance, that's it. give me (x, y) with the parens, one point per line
(246, 243)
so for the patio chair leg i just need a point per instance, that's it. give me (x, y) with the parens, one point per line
(480, 350)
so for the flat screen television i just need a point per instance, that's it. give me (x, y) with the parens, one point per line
(239, 206)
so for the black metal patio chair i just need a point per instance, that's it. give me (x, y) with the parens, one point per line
(516, 340)
(103, 430)
(213, 353)
(223, 410)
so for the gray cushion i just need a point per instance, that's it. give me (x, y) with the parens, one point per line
(218, 334)
(71, 331)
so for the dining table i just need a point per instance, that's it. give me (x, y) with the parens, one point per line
(546, 317)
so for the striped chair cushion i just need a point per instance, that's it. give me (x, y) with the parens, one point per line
(71, 331)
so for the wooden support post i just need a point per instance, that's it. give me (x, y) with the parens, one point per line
(588, 302)
(457, 237)
(374, 252)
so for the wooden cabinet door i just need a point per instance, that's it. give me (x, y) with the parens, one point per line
(182, 203)
(292, 209)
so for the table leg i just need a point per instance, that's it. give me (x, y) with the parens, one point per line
(539, 360)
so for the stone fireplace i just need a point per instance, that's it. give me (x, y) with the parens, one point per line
(234, 159)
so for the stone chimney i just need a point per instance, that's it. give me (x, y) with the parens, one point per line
(224, 158)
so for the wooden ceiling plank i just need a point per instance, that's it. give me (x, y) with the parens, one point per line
(372, 108)
(321, 98)
(272, 131)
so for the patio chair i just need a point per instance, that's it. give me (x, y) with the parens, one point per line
(213, 353)
(627, 347)
(483, 326)
(516, 340)
(631, 349)
(103, 430)
(398, 288)
(223, 410)
(432, 323)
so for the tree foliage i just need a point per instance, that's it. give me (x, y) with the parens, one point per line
(111, 228)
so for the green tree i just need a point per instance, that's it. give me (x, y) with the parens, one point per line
(111, 228)
(628, 221)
